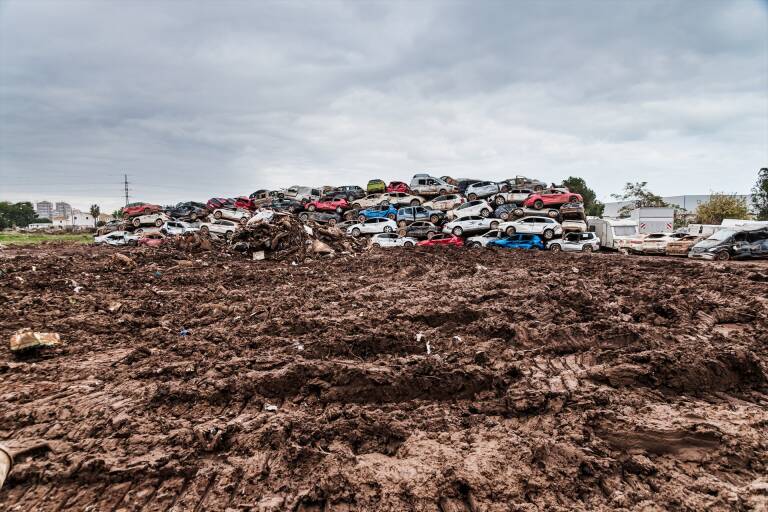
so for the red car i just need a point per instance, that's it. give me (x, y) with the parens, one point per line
(442, 239)
(398, 186)
(152, 240)
(216, 203)
(245, 203)
(551, 197)
(328, 204)
(134, 209)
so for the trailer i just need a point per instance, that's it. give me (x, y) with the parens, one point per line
(654, 220)
(615, 234)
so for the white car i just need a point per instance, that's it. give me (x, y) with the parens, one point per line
(219, 227)
(240, 216)
(481, 208)
(544, 226)
(482, 189)
(445, 203)
(482, 240)
(117, 238)
(656, 243)
(574, 226)
(177, 227)
(470, 224)
(402, 199)
(581, 242)
(515, 196)
(372, 226)
(156, 219)
(369, 201)
(392, 240)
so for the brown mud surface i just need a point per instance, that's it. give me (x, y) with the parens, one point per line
(551, 382)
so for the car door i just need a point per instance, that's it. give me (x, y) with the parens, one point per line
(525, 225)
(369, 226)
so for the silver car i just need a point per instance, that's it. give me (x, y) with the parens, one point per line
(482, 189)
(484, 239)
(581, 242)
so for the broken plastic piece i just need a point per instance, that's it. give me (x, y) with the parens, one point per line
(270, 408)
(27, 339)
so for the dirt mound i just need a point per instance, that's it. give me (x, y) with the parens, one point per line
(409, 380)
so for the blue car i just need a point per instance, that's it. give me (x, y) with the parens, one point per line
(519, 241)
(374, 212)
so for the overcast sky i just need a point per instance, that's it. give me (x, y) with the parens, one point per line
(201, 99)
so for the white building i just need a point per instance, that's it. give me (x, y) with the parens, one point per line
(76, 220)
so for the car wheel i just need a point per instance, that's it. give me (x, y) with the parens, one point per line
(136, 222)
(504, 216)
(723, 256)
(310, 207)
(204, 230)
(430, 234)
(402, 232)
(355, 206)
(376, 245)
(472, 196)
(494, 224)
(408, 244)
(499, 200)
(332, 222)
(553, 214)
(193, 217)
(415, 202)
(133, 243)
(158, 223)
(384, 203)
(573, 199)
(538, 204)
(485, 212)
(402, 223)
(555, 248)
(280, 196)
(356, 232)
(457, 231)
(475, 245)
(510, 231)
(434, 219)
(391, 216)
(442, 192)
(518, 212)
(549, 234)
(587, 248)
(243, 220)
(228, 235)
(387, 229)
(217, 215)
(361, 218)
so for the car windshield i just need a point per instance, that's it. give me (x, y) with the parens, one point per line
(723, 234)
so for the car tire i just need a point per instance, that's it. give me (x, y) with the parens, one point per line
(361, 218)
(510, 231)
(548, 234)
(243, 220)
(504, 216)
(457, 231)
(136, 222)
(494, 224)
(408, 244)
(555, 248)
(356, 232)
(485, 212)
(387, 229)
(538, 204)
(442, 192)
(475, 245)
(472, 196)
(431, 234)
(310, 207)
(217, 215)
(723, 256)
(402, 223)
(518, 212)
(402, 232)
(228, 235)
(339, 210)
(384, 203)
(415, 202)
(204, 230)
(624, 251)
(376, 245)
(332, 222)
(133, 243)
(158, 223)
(355, 206)
(280, 196)
(553, 214)
(499, 200)
(587, 248)
(391, 216)
(434, 219)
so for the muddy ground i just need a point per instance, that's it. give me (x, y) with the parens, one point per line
(442, 380)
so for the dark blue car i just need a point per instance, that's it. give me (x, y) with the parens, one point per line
(374, 212)
(519, 241)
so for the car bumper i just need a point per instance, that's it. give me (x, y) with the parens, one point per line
(701, 256)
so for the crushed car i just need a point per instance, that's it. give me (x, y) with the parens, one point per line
(544, 226)
(470, 224)
(392, 240)
(525, 241)
(575, 242)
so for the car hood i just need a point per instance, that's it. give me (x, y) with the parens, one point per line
(706, 244)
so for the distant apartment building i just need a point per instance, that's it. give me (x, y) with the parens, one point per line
(63, 209)
(44, 209)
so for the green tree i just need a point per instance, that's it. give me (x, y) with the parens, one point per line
(95, 211)
(118, 214)
(640, 197)
(760, 194)
(721, 206)
(16, 214)
(592, 206)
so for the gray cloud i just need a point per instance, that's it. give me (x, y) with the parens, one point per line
(202, 99)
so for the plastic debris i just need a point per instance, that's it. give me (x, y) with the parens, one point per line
(184, 332)
(270, 408)
(6, 462)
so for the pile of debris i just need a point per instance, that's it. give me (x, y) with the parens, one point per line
(283, 236)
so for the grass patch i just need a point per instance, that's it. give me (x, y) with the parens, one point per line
(39, 238)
